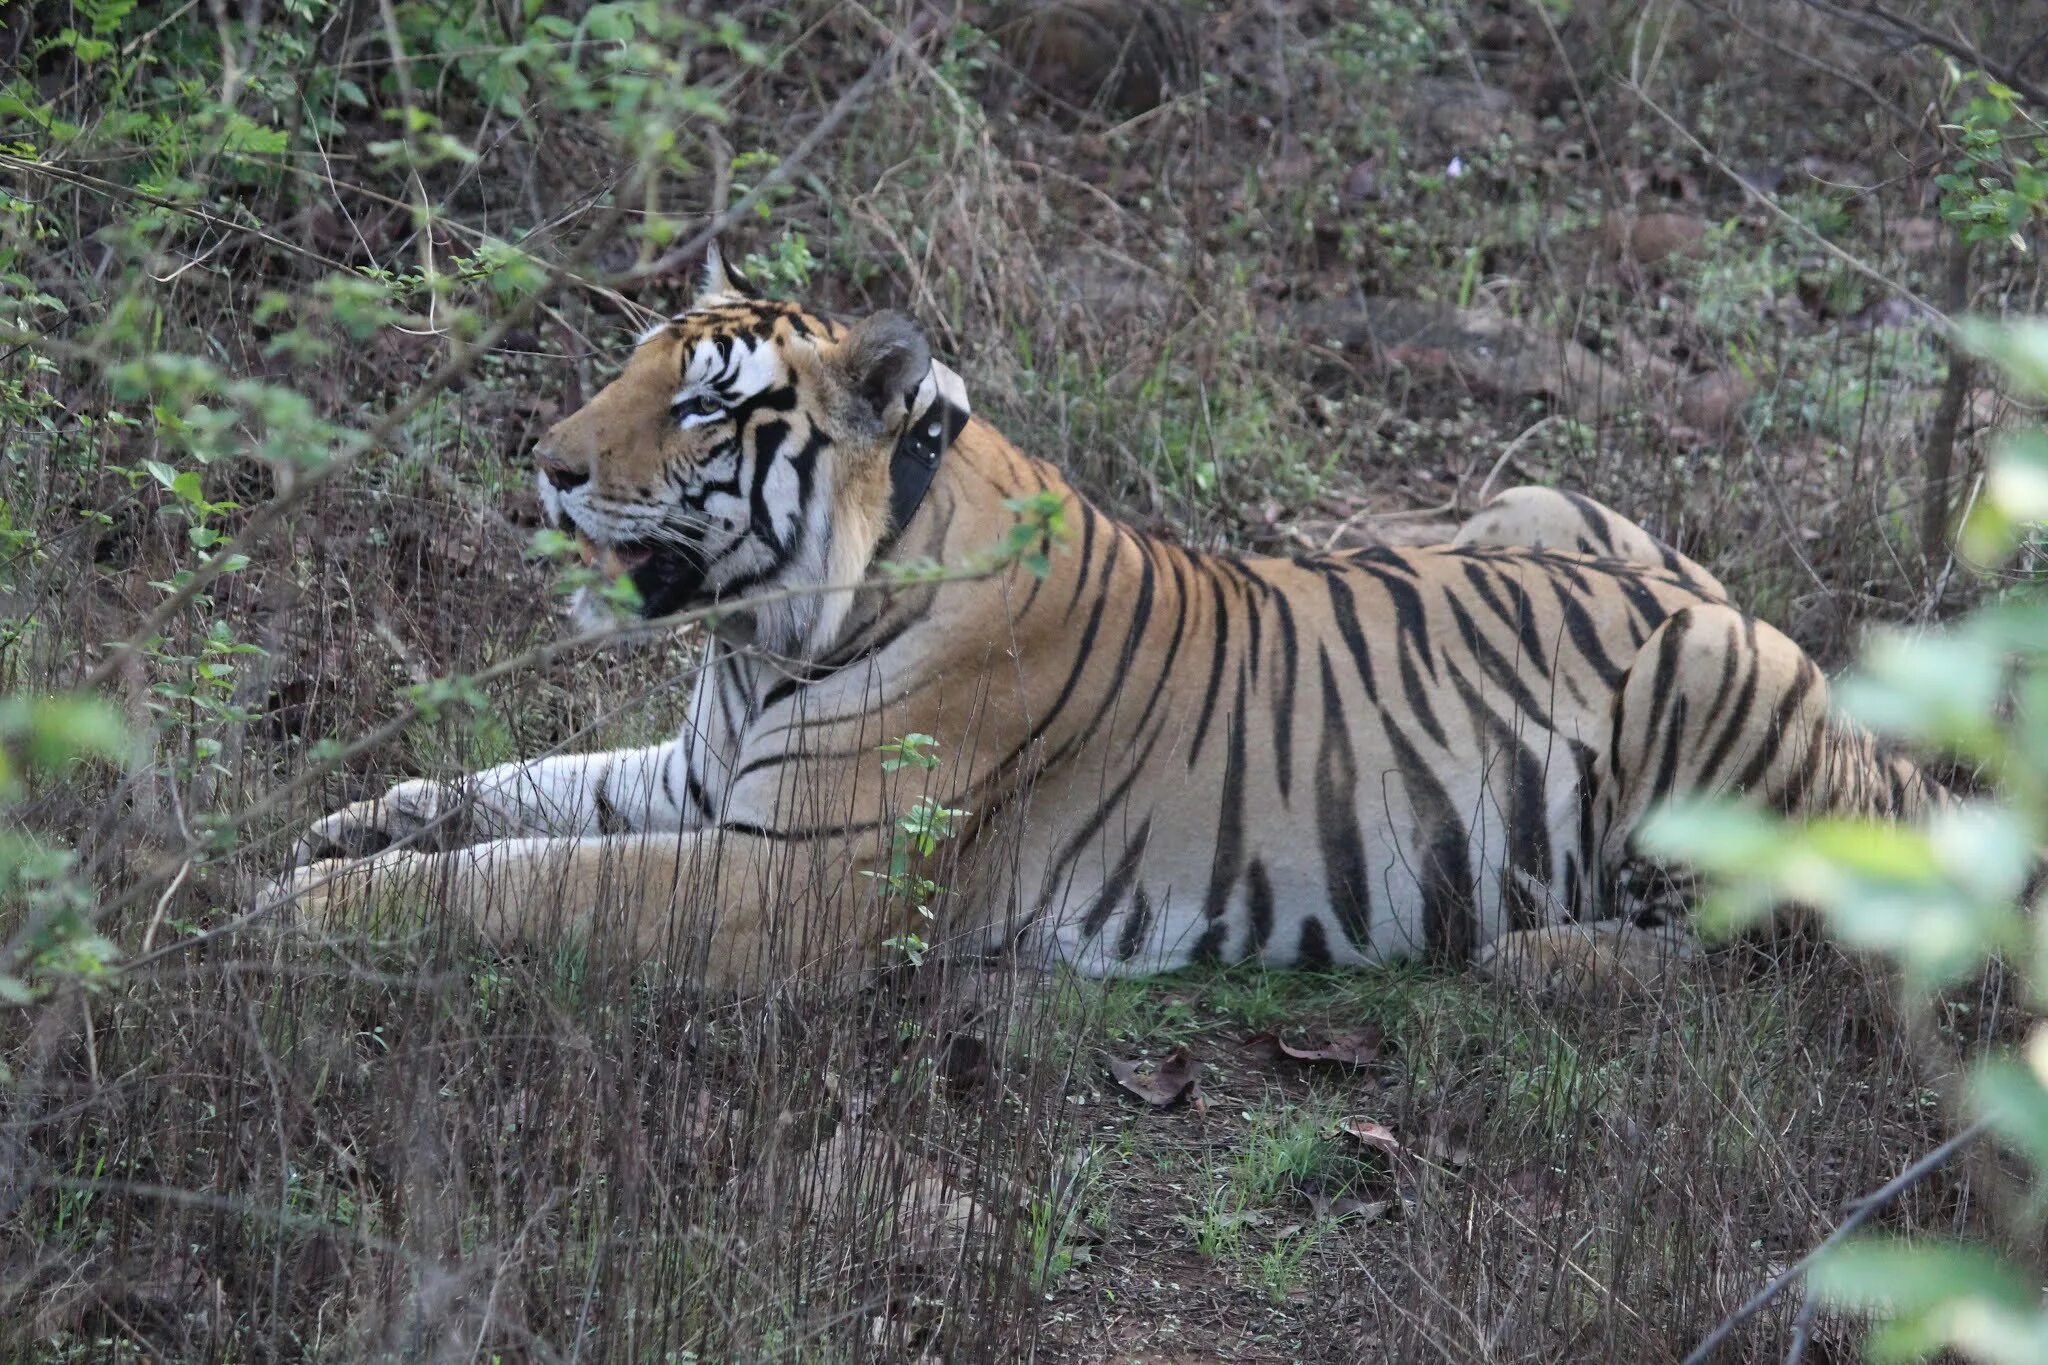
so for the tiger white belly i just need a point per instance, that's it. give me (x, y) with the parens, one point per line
(1157, 886)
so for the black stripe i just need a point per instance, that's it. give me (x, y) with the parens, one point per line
(609, 819)
(1520, 619)
(1346, 877)
(1578, 623)
(1528, 823)
(1135, 924)
(1450, 925)
(1179, 608)
(1208, 949)
(695, 789)
(1642, 602)
(1668, 650)
(1258, 900)
(1596, 518)
(1216, 657)
(1313, 955)
(1495, 664)
(1229, 856)
(1087, 560)
(1344, 610)
(1575, 889)
(1057, 872)
(1674, 736)
(1738, 714)
(1781, 718)
(1818, 751)
(1284, 699)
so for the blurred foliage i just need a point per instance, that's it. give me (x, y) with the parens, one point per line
(1938, 901)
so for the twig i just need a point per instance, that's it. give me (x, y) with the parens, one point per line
(786, 167)
(266, 517)
(1873, 16)
(1939, 459)
(1870, 272)
(1802, 1330)
(1859, 1213)
(1809, 59)
(25, 166)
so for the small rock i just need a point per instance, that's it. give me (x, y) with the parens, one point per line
(1126, 55)
(1462, 115)
(1713, 403)
(1915, 236)
(1655, 237)
(1363, 181)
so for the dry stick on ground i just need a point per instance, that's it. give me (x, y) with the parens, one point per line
(1859, 1214)
(1726, 14)
(1770, 205)
(1879, 19)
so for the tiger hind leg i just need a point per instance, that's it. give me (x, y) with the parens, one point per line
(1719, 703)
(1715, 703)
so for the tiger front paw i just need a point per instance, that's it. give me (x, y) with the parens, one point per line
(343, 893)
(420, 814)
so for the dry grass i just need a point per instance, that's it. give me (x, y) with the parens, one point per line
(411, 1149)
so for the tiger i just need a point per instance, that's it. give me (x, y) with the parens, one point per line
(1122, 756)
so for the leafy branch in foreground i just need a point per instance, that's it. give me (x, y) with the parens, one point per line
(1939, 901)
(55, 942)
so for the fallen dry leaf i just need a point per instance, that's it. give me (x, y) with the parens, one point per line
(1330, 1208)
(1174, 1078)
(1361, 1048)
(1371, 1134)
(1446, 1147)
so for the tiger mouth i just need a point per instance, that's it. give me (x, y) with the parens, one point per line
(666, 577)
(613, 561)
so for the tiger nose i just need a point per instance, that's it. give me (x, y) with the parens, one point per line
(563, 474)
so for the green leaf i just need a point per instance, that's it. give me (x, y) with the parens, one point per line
(2010, 1095)
(1986, 850)
(53, 730)
(1899, 1276)
(1710, 833)
(1928, 689)
(2019, 348)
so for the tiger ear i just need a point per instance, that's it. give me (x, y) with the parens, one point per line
(718, 282)
(881, 363)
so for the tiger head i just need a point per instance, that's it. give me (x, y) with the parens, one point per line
(747, 447)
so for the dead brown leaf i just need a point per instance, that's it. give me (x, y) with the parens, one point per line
(1371, 1134)
(1331, 1207)
(1359, 1048)
(1175, 1077)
